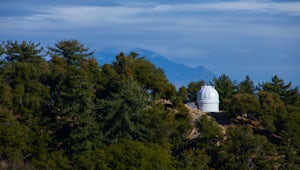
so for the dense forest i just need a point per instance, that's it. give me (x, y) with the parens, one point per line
(60, 109)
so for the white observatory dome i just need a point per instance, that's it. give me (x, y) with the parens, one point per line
(208, 99)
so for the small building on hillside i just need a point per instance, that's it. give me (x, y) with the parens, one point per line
(208, 99)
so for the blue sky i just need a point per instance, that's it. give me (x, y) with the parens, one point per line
(238, 38)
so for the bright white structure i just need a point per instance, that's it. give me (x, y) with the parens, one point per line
(208, 99)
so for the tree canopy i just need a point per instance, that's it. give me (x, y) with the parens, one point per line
(61, 109)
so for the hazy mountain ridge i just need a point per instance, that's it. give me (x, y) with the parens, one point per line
(178, 74)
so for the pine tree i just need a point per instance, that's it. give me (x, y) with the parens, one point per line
(151, 79)
(25, 71)
(123, 113)
(226, 88)
(193, 89)
(245, 103)
(289, 95)
(272, 113)
(72, 111)
(246, 86)
(72, 51)
(21, 52)
(244, 150)
(209, 132)
(183, 93)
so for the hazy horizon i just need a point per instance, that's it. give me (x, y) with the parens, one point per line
(238, 38)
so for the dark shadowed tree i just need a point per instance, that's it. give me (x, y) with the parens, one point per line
(246, 86)
(72, 110)
(26, 71)
(183, 94)
(272, 113)
(226, 88)
(288, 94)
(128, 154)
(21, 52)
(72, 51)
(193, 89)
(123, 114)
(244, 150)
(193, 159)
(245, 103)
(151, 79)
(209, 132)
(24, 77)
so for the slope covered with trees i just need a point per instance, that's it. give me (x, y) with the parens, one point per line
(70, 112)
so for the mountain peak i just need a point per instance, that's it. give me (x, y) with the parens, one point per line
(178, 74)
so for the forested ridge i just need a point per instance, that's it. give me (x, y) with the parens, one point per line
(70, 112)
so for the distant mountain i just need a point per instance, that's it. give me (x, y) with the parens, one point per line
(178, 74)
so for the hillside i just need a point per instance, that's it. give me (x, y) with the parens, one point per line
(68, 113)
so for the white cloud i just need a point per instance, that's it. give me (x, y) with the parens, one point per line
(197, 33)
(87, 16)
(291, 8)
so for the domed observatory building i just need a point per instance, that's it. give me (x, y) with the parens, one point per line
(208, 99)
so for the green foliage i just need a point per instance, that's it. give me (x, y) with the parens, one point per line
(149, 77)
(129, 154)
(209, 132)
(165, 125)
(25, 72)
(292, 128)
(289, 95)
(72, 109)
(15, 139)
(246, 86)
(226, 88)
(246, 103)
(123, 113)
(72, 51)
(170, 92)
(51, 160)
(70, 113)
(244, 150)
(183, 94)
(181, 127)
(193, 159)
(193, 89)
(158, 121)
(21, 52)
(273, 112)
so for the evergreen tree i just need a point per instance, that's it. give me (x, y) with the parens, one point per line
(25, 71)
(209, 132)
(244, 103)
(72, 111)
(193, 159)
(226, 88)
(193, 89)
(170, 92)
(15, 139)
(272, 113)
(21, 52)
(72, 51)
(289, 95)
(158, 121)
(69, 113)
(183, 94)
(244, 150)
(151, 79)
(128, 154)
(246, 86)
(122, 113)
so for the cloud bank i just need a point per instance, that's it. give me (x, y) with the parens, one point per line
(87, 16)
(259, 37)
